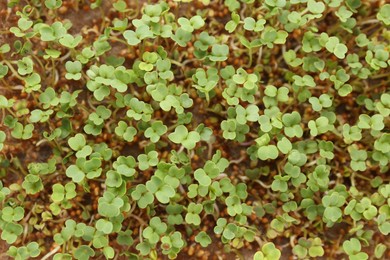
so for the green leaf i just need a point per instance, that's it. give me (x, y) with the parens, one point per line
(203, 239)
(219, 52)
(315, 7)
(25, 66)
(74, 172)
(53, 4)
(339, 49)
(268, 251)
(83, 252)
(383, 14)
(201, 176)
(22, 132)
(73, 70)
(104, 226)
(2, 139)
(182, 136)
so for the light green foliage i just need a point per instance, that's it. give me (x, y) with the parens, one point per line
(332, 204)
(310, 247)
(205, 175)
(334, 46)
(226, 230)
(135, 37)
(32, 82)
(206, 81)
(147, 160)
(324, 101)
(183, 137)
(251, 24)
(51, 32)
(38, 115)
(358, 157)
(250, 113)
(163, 191)
(192, 216)
(142, 196)
(266, 150)
(375, 122)
(10, 232)
(320, 126)
(3, 70)
(232, 24)
(359, 209)
(383, 14)
(189, 25)
(243, 78)
(109, 205)
(172, 244)
(22, 131)
(155, 131)
(154, 230)
(79, 144)
(203, 239)
(32, 184)
(2, 139)
(219, 52)
(61, 193)
(149, 59)
(83, 252)
(380, 249)
(268, 252)
(383, 106)
(25, 66)
(9, 214)
(125, 131)
(352, 247)
(84, 168)
(351, 134)
(137, 130)
(53, 4)
(24, 252)
(73, 70)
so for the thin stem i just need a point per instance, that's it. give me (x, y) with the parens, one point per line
(14, 72)
(114, 38)
(250, 58)
(52, 252)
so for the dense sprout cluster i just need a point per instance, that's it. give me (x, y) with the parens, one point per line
(244, 125)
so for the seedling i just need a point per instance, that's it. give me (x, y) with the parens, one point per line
(352, 248)
(155, 131)
(182, 136)
(268, 251)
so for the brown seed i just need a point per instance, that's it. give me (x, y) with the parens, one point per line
(253, 217)
(172, 4)
(200, 253)
(191, 251)
(63, 9)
